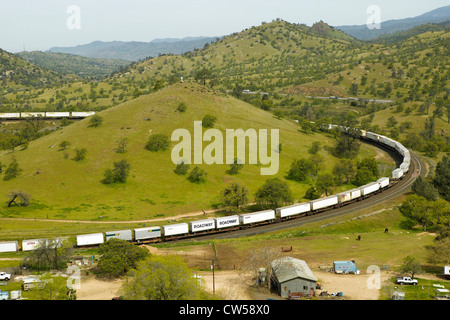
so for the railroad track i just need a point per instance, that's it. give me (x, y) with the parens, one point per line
(417, 168)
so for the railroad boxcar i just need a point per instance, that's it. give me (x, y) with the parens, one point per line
(9, 246)
(227, 222)
(141, 234)
(324, 203)
(201, 225)
(175, 229)
(405, 167)
(294, 210)
(121, 234)
(90, 239)
(257, 217)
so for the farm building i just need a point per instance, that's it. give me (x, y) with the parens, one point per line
(292, 278)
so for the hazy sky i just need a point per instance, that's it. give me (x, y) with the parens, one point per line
(42, 24)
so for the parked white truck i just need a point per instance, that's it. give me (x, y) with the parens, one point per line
(407, 280)
(5, 276)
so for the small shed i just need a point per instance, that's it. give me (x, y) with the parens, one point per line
(292, 278)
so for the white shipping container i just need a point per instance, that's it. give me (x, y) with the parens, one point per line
(397, 174)
(29, 245)
(293, 210)
(147, 233)
(202, 225)
(372, 136)
(175, 229)
(349, 195)
(383, 182)
(32, 114)
(405, 167)
(122, 234)
(226, 222)
(82, 114)
(369, 188)
(9, 115)
(8, 246)
(90, 239)
(57, 114)
(324, 202)
(256, 217)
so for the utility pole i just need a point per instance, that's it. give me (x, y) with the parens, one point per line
(214, 284)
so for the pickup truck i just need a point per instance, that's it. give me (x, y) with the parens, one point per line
(407, 280)
(5, 276)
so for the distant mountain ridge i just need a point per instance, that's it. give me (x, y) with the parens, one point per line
(361, 32)
(135, 50)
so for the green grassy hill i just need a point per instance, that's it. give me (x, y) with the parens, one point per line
(63, 188)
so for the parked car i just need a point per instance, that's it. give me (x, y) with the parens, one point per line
(407, 280)
(5, 276)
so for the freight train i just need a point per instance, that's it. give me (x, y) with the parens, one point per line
(241, 221)
(46, 115)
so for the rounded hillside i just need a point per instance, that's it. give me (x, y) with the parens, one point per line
(64, 188)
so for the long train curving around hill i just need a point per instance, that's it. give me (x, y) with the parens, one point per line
(45, 115)
(241, 221)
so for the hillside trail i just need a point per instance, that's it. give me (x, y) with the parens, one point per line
(185, 215)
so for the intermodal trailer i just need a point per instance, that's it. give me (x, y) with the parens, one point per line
(257, 217)
(57, 114)
(32, 114)
(349, 195)
(90, 239)
(383, 182)
(8, 246)
(141, 234)
(397, 174)
(10, 115)
(296, 209)
(33, 244)
(82, 114)
(201, 225)
(175, 229)
(227, 222)
(324, 203)
(369, 188)
(121, 234)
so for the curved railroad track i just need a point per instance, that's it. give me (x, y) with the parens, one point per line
(417, 168)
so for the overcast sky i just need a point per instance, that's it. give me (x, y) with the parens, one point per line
(42, 24)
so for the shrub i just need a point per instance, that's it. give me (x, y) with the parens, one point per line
(158, 142)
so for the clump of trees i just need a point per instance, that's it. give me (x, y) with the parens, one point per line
(118, 257)
(118, 174)
(158, 142)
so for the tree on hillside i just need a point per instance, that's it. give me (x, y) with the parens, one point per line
(161, 278)
(274, 193)
(442, 177)
(325, 184)
(234, 196)
(95, 121)
(203, 75)
(118, 174)
(13, 170)
(425, 189)
(347, 145)
(19, 198)
(197, 175)
(158, 142)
